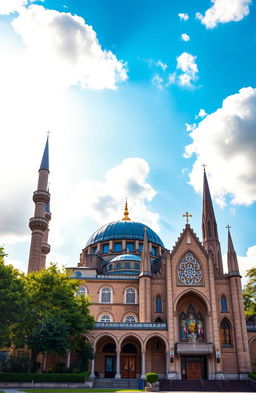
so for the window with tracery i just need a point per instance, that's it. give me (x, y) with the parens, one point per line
(130, 296)
(191, 325)
(105, 318)
(130, 319)
(106, 295)
(225, 334)
(189, 270)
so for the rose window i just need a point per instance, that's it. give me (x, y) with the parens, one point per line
(189, 271)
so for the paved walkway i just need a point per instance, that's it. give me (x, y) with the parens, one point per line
(17, 390)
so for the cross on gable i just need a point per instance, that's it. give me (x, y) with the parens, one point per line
(187, 215)
(228, 227)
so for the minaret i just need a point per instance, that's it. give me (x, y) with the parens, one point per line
(145, 283)
(39, 223)
(209, 229)
(46, 248)
(241, 337)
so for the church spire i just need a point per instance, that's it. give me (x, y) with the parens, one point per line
(126, 212)
(209, 228)
(232, 258)
(39, 222)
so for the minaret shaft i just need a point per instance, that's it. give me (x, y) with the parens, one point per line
(145, 290)
(39, 222)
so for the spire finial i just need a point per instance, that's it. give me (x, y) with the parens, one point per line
(204, 166)
(187, 215)
(228, 227)
(126, 212)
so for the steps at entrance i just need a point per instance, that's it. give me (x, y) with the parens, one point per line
(208, 386)
(125, 383)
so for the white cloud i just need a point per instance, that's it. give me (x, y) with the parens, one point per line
(201, 113)
(185, 37)
(105, 199)
(226, 141)
(223, 11)
(65, 51)
(187, 65)
(157, 81)
(161, 65)
(183, 16)
(9, 6)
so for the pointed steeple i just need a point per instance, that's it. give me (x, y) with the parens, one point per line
(45, 159)
(232, 258)
(145, 267)
(209, 228)
(126, 212)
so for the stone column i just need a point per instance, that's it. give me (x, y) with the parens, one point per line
(68, 359)
(143, 368)
(92, 375)
(167, 363)
(118, 375)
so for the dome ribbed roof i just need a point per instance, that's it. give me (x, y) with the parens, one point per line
(129, 230)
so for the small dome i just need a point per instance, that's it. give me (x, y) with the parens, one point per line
(129, 230)
(126, 257)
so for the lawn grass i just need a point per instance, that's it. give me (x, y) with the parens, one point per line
(76, 390)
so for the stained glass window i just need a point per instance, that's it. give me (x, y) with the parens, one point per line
(189, 270)
(159, 307)
(224, 306)
(130, 319)
(225, 337)
(105, 318)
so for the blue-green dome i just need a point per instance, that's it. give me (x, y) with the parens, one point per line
(130, 230)
(126, 257)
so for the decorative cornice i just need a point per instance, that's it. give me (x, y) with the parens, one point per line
(41, 196)
(46, 248)
(38, 223)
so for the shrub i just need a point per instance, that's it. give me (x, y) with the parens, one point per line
(14, 364)
(253, 376)
(29, 377)
(151, 378)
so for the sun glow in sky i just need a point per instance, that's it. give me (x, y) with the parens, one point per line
(137, 95)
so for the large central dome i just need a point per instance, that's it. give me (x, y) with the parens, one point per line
(124, 230)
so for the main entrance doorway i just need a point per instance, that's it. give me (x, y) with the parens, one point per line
(194, 367)
(110, 366)
(128, 367)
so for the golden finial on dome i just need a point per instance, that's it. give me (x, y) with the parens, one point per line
(126, 212)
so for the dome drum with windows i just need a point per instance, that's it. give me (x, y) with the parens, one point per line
(118, 246)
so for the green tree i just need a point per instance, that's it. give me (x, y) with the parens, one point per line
(249, 293)
(57, 316)
(13, 304)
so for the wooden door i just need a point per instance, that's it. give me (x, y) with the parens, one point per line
(193, 370)
(129, 367)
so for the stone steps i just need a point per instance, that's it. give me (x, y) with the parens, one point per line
(126, 383)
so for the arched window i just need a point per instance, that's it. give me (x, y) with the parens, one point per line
(105, 295)
(81, 291)
(223, 303)
(130, 296)
(225, 334)
(130, 319)
(159, 305)
(159, 320)
(105, 318)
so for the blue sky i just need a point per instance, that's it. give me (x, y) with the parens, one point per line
(137, 95)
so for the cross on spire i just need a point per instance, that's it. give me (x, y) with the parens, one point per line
(187, 215)
(228, 227)
(48, 133)
(204, 166)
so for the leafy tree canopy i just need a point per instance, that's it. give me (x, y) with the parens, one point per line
(249, 293)
(13, 304)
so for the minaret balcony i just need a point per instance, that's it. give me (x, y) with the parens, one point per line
(46, 248)
(39, 223)
(41, 196)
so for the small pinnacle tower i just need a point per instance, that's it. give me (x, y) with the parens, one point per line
(145, 291)
(38, 224)
(234, 277)
(209, 229)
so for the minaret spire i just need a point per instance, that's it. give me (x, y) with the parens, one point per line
(126, 212)
(39, 222)
(209, 228)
